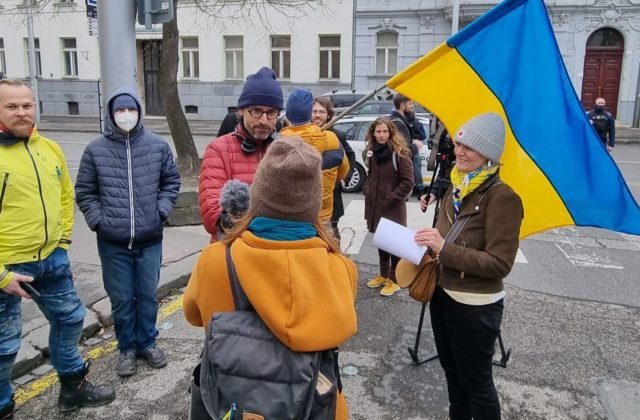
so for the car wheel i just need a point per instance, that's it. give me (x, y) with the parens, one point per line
(356, 181)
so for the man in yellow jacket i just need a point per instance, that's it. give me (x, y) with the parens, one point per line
(36, 219)
(335, 163)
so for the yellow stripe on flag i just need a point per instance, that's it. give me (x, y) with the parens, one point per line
(444, 83)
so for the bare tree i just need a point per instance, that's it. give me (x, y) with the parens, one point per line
(221, 13)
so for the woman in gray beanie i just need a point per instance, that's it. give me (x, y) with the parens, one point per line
(475, 242)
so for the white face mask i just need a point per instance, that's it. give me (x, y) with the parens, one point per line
(126, 120)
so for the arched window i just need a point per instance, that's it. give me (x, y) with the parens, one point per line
(387, 53)
(605, 38)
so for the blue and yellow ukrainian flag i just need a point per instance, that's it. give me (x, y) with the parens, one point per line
(508, 62)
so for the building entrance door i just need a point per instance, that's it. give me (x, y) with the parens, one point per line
(602, 69)
(151, 58)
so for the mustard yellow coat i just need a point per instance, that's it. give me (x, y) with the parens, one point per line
(304, 293)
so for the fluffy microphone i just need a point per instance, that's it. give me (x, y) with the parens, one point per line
(234, 201)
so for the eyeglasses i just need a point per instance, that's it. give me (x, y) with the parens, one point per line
(258, 112)
(319, 111)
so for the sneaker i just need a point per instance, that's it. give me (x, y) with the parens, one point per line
(154, 357)
(126, 363)
(389, 288)
(376, 282)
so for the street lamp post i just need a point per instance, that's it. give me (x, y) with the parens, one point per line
(33, 71)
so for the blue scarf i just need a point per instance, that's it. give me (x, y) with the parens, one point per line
(281, 230)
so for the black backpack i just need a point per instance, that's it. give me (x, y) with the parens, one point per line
(247, 370)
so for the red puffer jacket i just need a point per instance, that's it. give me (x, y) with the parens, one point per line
(224, 160)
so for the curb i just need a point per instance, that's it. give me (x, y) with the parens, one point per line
(173, 275)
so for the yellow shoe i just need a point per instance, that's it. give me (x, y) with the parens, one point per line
(389, 288)
(376, 282)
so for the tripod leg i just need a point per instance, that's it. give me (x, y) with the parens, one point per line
(413, 352)
(505, 355)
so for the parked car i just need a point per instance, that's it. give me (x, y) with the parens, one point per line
(375, 107)
(343, 99)
(355, 129)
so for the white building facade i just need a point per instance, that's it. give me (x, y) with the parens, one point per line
(309, 48)
(599, 41)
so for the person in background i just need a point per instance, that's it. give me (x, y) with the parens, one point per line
(127, 186)
(236, 155)
(322, 112)
(604, 123)
(335, 164)
(36, 221)
(389, 182)
(288, 265)
(404, 118)
(466, 308)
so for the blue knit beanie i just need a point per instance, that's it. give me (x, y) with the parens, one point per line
(123, 101)
(299, 107)
(261, 88)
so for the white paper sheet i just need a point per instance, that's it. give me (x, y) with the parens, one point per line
(398, 240)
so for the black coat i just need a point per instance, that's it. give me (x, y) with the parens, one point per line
(338, 205)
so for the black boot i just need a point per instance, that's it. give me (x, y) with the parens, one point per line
(6, 412)
(77, 392)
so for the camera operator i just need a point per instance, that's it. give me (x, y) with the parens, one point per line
(445, 157)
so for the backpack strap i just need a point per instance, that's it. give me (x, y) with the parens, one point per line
(240, 299)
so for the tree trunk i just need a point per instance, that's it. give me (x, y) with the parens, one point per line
(188, 160)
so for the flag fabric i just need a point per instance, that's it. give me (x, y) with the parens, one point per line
(508, 62)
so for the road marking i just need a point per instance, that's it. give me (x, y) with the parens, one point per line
(576, 256)
(520, 258)
(42, 384)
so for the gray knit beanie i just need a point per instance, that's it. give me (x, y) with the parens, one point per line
(483, 133)
(288, 182)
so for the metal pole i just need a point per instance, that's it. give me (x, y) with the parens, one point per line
(117, 41)
(357, 105)
(353, 45)
(455, 17)
(32, 60)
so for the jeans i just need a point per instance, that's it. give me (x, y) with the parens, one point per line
(131, 279)
(417, 171)
(465, 336)
(61, 306)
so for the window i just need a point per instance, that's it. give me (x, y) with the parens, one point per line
(233, 56)
(190, 58)
(70, 57)
(73, 107)
(329, 56)
(387, 53)
(191, 109)
(281, 55)
(3, 64)
(36, 41)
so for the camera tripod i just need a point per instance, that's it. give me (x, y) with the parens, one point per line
(440, 160)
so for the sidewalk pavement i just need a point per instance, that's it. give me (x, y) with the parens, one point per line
(181, 247)
(624, 133)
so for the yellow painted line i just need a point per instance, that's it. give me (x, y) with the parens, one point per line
(34, 388)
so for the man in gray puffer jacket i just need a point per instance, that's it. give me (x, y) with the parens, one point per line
(126, 187)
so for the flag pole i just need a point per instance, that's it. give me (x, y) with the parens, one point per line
(353, 107)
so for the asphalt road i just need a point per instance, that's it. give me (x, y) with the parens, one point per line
(572, 320)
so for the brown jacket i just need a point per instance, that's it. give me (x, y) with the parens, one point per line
(385, 191)
(485, 250)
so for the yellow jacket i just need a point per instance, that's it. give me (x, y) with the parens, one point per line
(335, 164)
(36, 202)
(304, 293)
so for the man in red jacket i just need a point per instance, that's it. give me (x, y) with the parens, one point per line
(236, 155)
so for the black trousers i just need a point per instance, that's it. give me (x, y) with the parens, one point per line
(465, 337)
(388, 263)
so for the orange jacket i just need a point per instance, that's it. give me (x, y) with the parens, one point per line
(335, 163)
(303, 292)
